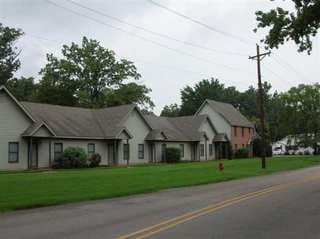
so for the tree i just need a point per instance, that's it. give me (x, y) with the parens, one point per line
(130, 93)
(299, 25)
(302, 113)
(9, 62)
(193, 97)
(89, 75)
(172, 110)
(24, 89)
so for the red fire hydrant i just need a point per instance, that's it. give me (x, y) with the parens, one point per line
(221, 166)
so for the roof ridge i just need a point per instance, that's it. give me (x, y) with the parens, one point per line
(75, 107)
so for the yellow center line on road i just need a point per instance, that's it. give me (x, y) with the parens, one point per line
(154, 229)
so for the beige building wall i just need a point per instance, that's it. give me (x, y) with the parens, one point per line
(43, 149)
(139, 130)
(221, 125)
(13, 122)
(207, 128)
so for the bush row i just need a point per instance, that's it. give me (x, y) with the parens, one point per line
(76, 157)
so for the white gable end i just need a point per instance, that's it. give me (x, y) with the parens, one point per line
(221, 125)
(13, 122)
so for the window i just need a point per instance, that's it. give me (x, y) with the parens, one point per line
(235, 131)
(182, 150)
(243, 131)
(210, 149)
(13, 156)
(242, 145)
(58, 150)
(235, 146)
(141, 151)
(201, 150)
(126, 152)
(249, 130)
(91, 149)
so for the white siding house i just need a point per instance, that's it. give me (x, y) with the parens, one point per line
(33, 135)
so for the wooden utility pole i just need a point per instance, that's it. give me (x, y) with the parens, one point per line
(259, 57)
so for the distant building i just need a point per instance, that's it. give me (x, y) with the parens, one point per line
(230, 124)
(290, 145)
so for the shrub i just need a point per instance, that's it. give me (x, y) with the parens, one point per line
(73, 157)
(173, 155)
(241, 153)
(94, 160)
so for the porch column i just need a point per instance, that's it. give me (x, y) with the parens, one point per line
(50, 161)
(128, 152)
(206, 148)
(114, 152)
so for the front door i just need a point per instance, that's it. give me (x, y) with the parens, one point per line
(110, 154)
(163, 152)
(152, 153)
(34, 156)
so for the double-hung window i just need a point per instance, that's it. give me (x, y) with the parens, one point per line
(141, 151)
(58, 150)
(201, 150)
(91, 149)
(13, 156)
(126, 152)
(182, 150)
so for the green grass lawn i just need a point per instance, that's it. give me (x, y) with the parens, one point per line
(26, 190)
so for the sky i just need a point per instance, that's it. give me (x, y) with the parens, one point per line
(166, 66)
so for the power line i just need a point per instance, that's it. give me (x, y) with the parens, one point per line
(147, 39)
(211, 28)
(289, 67)
(165, 66)
(154, 32)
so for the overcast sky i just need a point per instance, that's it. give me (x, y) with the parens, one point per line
(165, 71)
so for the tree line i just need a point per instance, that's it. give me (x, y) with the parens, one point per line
(294, 112)
(87, 75)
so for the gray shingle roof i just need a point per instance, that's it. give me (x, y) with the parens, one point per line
(184, 128)
(221, 137)
(230, 113)
(77, 122)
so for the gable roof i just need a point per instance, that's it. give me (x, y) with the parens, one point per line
(3, 88)
(228, 112)
(34, 128)
(76, 122)
(185, 128)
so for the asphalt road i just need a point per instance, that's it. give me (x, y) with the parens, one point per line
(284, 205)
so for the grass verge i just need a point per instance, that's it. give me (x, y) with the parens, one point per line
(28, 190)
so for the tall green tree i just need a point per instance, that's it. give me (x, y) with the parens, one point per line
(302, 113)
(299, 25)
(172, 110)
(193, 97)
(24, 89)
(129, 93)
(9, 62)
(89, 75)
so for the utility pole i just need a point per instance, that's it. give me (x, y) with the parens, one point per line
(259, 57)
